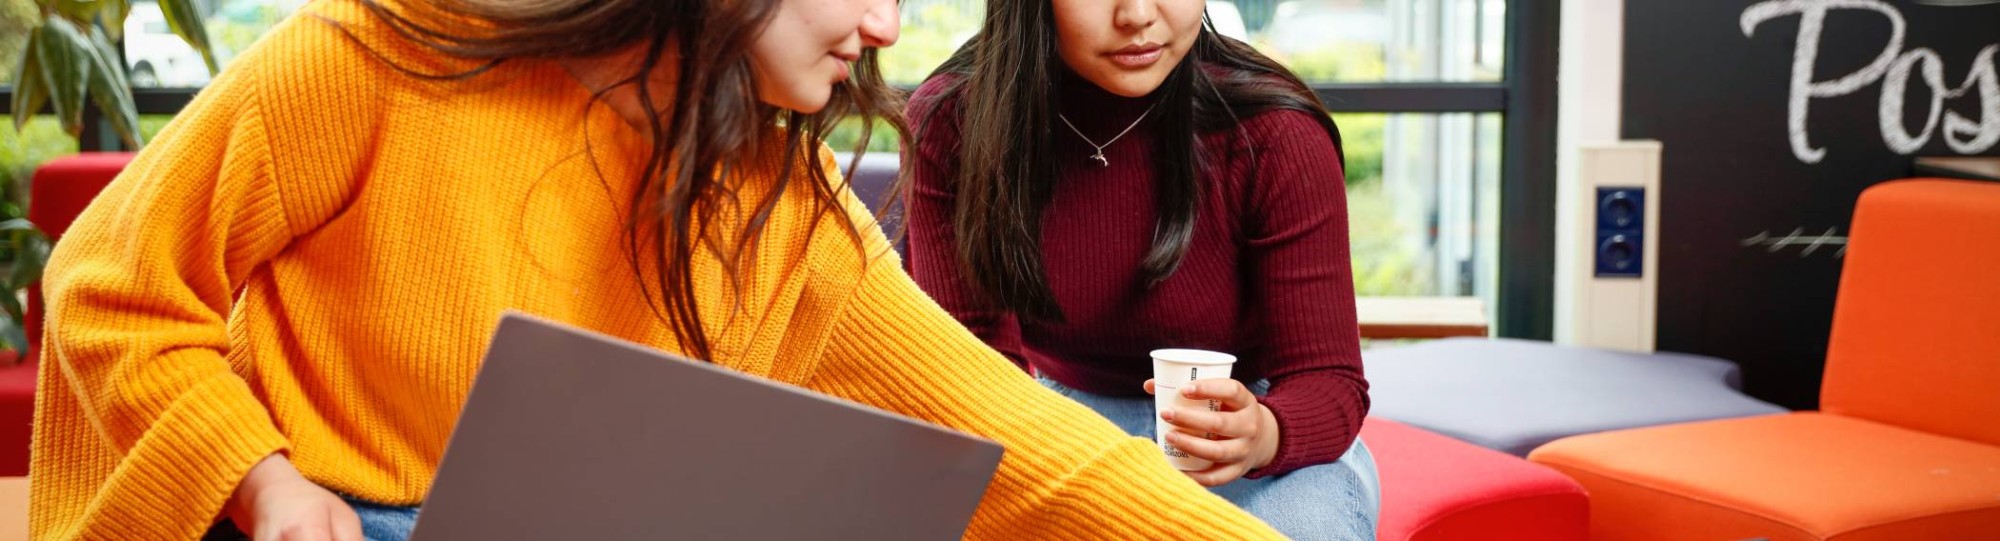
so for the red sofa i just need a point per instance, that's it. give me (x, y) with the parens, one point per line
(62, 188)
(1435, 488)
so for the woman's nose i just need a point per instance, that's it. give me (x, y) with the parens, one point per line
(881, 24)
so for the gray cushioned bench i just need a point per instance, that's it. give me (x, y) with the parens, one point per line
(1515, 395)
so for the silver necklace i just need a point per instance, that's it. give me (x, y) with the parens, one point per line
(1099, 156)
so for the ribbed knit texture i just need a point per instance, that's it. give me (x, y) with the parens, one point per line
(1267, 277)
(312, 257)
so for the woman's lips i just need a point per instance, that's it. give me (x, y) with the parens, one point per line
(840, 61)
(1136, 56)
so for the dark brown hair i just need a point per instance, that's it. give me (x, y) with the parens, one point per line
(1004, 93)
(715, 129)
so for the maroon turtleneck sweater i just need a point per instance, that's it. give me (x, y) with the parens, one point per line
(1267, 277)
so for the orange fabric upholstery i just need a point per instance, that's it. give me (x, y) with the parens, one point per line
(1916, 332)
(1802, 476)
(1908, 446)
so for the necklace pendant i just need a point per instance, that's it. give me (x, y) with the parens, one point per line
(1101, 162)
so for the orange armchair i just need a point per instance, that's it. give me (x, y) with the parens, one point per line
(1907, 444)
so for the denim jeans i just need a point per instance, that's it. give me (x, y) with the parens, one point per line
(1335, 501)
(378, 523)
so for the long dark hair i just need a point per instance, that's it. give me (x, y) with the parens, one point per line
(1004, 94)
(715, 129)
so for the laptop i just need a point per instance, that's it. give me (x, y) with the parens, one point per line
(569, 434)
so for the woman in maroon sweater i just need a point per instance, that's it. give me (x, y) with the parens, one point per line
(1094, 179)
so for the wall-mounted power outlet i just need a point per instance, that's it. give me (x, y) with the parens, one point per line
(1621, 232)
(1607, 266)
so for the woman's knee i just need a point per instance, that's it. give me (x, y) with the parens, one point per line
(1335, 501)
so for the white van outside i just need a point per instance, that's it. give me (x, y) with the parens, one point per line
(156, 57)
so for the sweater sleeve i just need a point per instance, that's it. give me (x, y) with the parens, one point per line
(144, 429)
(1304, 282)
(1067, 473)
(932, 162)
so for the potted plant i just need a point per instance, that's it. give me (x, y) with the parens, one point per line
(70, 62)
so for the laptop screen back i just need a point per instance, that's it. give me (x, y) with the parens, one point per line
(572, 435)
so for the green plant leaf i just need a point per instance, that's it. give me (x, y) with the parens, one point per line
(30, 249)
(31, 256)
(184, 17)
(65, 62)
(12, 305)
(82, 11)
(30, 92)
(12, 331)
(16, 337)
(110, 90)
(109, 62)
(114, 17)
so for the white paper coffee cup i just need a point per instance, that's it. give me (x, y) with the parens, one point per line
(1173, 368)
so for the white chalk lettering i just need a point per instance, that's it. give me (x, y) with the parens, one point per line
(1894, 68)
(1896, 86)
(1982, 134)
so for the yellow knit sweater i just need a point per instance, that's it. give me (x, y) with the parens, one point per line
(311, 257)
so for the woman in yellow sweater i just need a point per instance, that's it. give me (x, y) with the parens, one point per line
(271, 320)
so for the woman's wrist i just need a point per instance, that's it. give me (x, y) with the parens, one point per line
(273, 470)
(1265, 448)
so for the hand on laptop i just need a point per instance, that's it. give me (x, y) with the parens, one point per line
(275, 503)
(1246, 433)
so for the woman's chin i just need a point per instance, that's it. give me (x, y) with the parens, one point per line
(809, 110)
(1131, 85)
(804, 103)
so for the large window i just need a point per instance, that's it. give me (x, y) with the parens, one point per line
(155, 57)
(42, 138)
(164, 71)
(1423, 186)
(1326, 41)
(159, 59)
(1445, 106)
(17, 17)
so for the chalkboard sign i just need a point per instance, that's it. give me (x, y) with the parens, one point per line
(1775, 116)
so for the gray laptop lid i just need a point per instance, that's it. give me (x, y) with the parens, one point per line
(573, 435)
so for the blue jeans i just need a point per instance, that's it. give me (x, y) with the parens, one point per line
(378, 523)
(384, 523)
(1337, 501)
